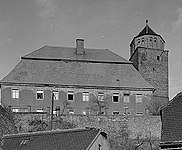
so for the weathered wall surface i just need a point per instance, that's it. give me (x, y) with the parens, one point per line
(27, 99)
(154, 71)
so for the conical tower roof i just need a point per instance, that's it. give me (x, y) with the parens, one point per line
(147, 31)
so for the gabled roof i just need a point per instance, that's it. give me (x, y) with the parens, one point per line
(77, 139)
(68, 53)
(171, 131)
(73, 73)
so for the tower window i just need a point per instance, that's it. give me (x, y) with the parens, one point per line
(158, 57)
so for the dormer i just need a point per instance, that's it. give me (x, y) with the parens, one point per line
(147, 38)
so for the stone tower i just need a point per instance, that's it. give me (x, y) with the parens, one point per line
(151, 60)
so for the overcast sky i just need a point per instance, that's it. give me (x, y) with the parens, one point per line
(27, 25)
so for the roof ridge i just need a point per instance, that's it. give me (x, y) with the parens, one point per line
(49, 132)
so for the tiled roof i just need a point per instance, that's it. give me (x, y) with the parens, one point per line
(172, 121)
(146, 31)
(77, 139)
(68, 53)
(73, 73)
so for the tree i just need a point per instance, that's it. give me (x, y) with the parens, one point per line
(98, 104)
(7, 123)
(154, 107)
(37, 124)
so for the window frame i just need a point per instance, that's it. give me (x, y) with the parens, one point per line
(126, 99)
(15, 93)
(115, 94)
(139, 98)
(55, 93)
(15, 108)
(71, 112)
(40, 91)
(39, 109)
(85, 96)
(70, 93)
(139, 113)
(101, 96)
(115, 112)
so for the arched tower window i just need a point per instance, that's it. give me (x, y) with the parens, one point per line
(143, 42)
(155, 42)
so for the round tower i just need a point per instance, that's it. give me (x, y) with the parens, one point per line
(151, 60)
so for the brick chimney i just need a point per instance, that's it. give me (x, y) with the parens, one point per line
(80, 47)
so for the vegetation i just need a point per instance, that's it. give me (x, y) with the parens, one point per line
(98, 105)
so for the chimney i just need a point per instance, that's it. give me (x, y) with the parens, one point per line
(80, 47)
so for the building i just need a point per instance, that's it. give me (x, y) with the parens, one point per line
(80, 75)
(151, 59)
(78, 139)
(171, 131)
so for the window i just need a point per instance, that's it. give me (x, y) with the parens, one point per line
(55, 95)
(126, 111)
(139, 98)
(100, 96)
(15, 93)
(85, 96)
(139, 113)
(24, 142)
(84, 112)
(71, 111)
(126, 98)
(40, 94)
(70, 95)
(24, 109)
(15, 109)
(115, 98)
(115, 112)
(158, 57)
(39, 110)
(143, 41)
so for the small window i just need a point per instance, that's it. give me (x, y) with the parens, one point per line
(84, 112)
(126, 98)
(139, 113)
(55, 95)
(71, 111)
(115, 112)
(85, 96)
(15, 93)
(24, 110)
(40, 94)
(40, 110)
(139, 98)
(126, 111)
(54, 112)
(70, 96)
(24, 142)
(15, 109)
(158, 57)
(100, 96)
(115, 98)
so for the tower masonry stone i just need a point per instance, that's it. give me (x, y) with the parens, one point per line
(151, 59)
